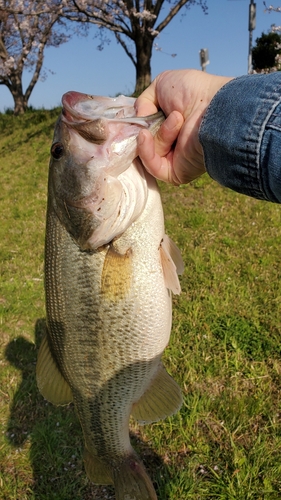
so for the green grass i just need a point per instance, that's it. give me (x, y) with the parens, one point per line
(225, 349)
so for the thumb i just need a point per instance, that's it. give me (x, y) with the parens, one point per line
(168, 133)
(157, 154)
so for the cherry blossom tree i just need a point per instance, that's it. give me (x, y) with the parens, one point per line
(134, 23)
(26, 28)
(271, 8)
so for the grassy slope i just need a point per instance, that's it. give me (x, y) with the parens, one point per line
(225, 349)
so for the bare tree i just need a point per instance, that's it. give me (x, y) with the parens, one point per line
(26, 28)
(135, 24)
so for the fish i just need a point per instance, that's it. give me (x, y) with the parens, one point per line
(110, 271)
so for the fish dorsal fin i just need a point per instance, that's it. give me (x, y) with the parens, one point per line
(162, 399)
(50, 381)
(172, 264)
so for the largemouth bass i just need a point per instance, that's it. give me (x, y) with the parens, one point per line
(109, 273)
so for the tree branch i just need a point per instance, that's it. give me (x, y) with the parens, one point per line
(171, 14)
(39, 63)
(99, 17)
(123, 44)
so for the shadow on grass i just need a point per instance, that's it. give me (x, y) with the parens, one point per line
(56, 436)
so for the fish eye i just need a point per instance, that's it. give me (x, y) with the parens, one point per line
(57, 150)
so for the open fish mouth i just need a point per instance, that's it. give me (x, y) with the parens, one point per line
(78, 107)
(99, 119)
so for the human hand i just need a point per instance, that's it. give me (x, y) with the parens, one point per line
(175, 154)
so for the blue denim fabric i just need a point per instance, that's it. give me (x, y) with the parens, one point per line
(241, 136)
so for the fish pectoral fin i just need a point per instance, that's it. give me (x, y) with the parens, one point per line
(116, 275)
(131, 480)
(162, 399)
(50, 381)
(172, 264)
(97, 471)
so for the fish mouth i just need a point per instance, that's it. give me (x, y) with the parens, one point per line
(79, 108)
(99, 119)
(94, 130)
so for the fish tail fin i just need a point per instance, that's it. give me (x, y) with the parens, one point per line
(132, 482)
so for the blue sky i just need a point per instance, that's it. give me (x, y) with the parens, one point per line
(78, 65)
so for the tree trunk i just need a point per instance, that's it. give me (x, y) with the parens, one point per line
(143, 67)
(20, 104)
(20, 100)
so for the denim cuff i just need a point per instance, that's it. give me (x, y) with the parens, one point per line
(241, 136)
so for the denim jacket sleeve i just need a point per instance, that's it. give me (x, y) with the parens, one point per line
(241, 136)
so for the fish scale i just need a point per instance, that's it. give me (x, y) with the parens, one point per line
(109, 272)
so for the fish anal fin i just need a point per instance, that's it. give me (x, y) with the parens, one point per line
(172, 264)
(131, 481)
(162, 399)
(97, 471)
(116, 275)
(50, 381)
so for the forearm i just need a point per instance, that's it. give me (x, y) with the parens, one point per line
(241, 136)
